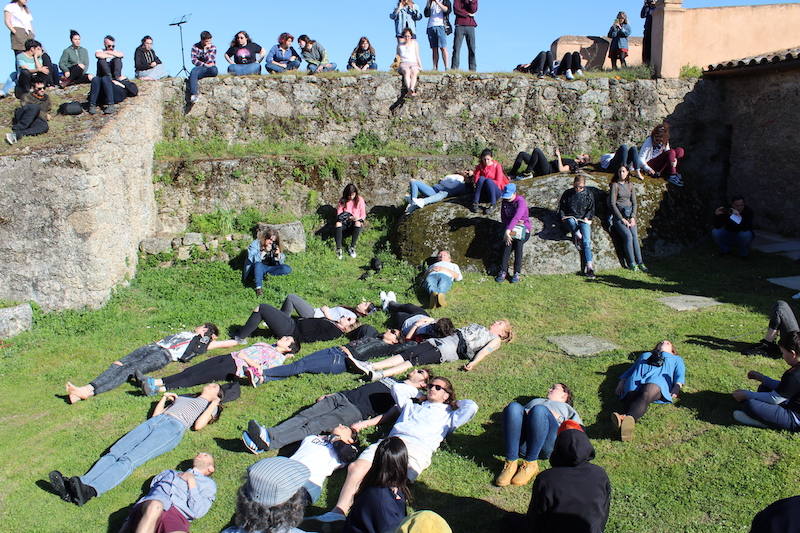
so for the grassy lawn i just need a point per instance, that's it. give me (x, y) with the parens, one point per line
(690, 468)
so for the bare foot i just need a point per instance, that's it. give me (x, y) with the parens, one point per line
(76, 394)
(639, 175)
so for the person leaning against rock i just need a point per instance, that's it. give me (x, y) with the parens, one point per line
(32, 116)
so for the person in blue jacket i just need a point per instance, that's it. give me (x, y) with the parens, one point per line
(405, 15)
(619, 33)
(265, 256)
(656, 377)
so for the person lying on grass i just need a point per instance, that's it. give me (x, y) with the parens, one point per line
(359, 408)
(301, 329)
(776, 405)
(183, 347)
(656, 377)
(157, 435)
(472, 343)
(249, 362)
(421, 426)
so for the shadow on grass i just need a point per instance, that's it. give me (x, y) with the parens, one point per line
(602, 427)
(711, 406)
(715, 343)
(118, 517)
(482, 516)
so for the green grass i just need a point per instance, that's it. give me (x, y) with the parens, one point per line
(641, 72)
(691, 468)
(691, 71)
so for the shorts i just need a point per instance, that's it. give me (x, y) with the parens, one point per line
(408, 66)
(418, 458)
(437, 38)
(423, 353)
(170, 520)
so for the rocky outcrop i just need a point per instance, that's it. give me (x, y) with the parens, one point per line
(15, 320)
(474, 240)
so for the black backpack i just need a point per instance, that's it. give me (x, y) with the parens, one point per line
(70, 108)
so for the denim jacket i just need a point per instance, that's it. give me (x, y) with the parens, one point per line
(619, 36)
(407, 17)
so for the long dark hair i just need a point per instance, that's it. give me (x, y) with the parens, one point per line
(357, 49)
(617, 178)
(266, 234)
(389, 468)
(234, 42)
(144, 39)
(348, 190)
(25, 7)
(791, 342)
(253, 516)
(444, 327)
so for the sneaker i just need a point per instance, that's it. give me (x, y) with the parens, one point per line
(590, 274)
(363, 367)
(240, 340)
(93, 110)
(249, 444)
(258, 434)
(254, 375)
(526, 175)
(525, 473)
(330, 516)
(676, 180)
(59, 485)
(441, 301)
(390, 297)
(419, 202)
(110, 109)
(539, 75)
(504, 477)
(643, 268)
(633, 268)
(515, 278)
(11, 138)
(626, 427)
(259, 292)
(194, 98)
(474, 208)
(763, 348)
(501, 277)
(747, 420)
(352, 252)
(339, 253)
(579, 72)
(149, 387)
(568, 75)
(410, 208)
(375, 375)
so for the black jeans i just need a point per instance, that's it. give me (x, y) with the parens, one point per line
(516, 245)
(423, 353)
(538, 165)
(570, 61)
(77, 75)
(212, 369)
(28, 121)
(110, 68)
(542, 63)
(324, 415)
(782, 319)
(279, 323)
(402, 312)
(101, 89)
(355, 230)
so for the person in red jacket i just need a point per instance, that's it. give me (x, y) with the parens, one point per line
(489, 178)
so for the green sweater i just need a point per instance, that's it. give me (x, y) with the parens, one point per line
(72, 56)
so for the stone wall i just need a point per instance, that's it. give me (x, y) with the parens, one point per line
(70, 223)
(453, 112)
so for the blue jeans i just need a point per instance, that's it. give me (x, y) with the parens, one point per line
(244, 70)
(487, 186)
(773, 415)
(438, 282)
(314, 68)
(273, 270)
(290, 65)
(727, 240)
(437, 38)
(630, 241)
(531, 435)
(10, 83)
(326, 361)
(571, 226)
(197, 74)
(372, 66)
(625, 155)
(101, 86)
(149, 439)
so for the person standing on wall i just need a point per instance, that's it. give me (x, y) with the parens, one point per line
(405, 15)
(438, 13)
(618, 33)
(465, 28)
(19, 22)
(647, 14)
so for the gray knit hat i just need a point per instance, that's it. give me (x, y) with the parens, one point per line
(274, 480)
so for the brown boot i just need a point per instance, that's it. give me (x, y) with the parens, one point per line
(527, 471)
(433, 299)
(626, 428)
(504, 477)
(616, 420)
(441, 300)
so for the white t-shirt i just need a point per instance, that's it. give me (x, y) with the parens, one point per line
(335, 312)
(176, 344)
(437, 16)
(408, 52)
(450, 266)
(317, 453)
(19, 17)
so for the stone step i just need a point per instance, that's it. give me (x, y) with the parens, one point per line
(688, 302)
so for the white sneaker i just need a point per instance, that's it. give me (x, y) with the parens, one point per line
(382, 298)
(419, 202)
(194, 98)
(796, 296)
(11, 138)
(375, 375)
(362, 366)
(391, 297)
(579, 72)
(568, 75)
(352, 252)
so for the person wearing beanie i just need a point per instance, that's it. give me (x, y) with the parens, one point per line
(273, 497)
(423, 522)
(574, 495)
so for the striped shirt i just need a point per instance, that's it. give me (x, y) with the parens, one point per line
(204, 57)
(186, 409)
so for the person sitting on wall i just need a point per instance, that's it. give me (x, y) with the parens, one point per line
(543, 64)
(439, 279)
(107, 92)
(29, 64)
(204, 59)
(282, 57)
(33, 114)
(576, 209)
(733, 227)
(658, 158)
(490, 180)
(363, 56)
(109, 60)
(538, 165)
(175, 499)
(147, 64)
(422, 194)
(74, 62)
(244, 55)
(315, 54)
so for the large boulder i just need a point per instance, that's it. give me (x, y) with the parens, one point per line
(293, 235)
(15, 320)
(669, 219)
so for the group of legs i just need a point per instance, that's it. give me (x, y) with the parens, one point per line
(541, 65)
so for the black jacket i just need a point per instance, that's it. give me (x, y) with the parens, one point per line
(142, 59)
(779, 517)
(574, 495)
(374, 347)
(577, 204)
(724, 221)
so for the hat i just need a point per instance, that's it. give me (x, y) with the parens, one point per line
(423, 522)
(231, 391)
(274, 480)
(569, 424)
(509, 191)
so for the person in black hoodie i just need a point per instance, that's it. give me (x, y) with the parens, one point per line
(574, 495)
(146, 63)
(778, 517)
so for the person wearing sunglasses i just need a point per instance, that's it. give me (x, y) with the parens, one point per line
(359, 408)
(32, 117)
(421, 426)
(576, 209)
(109, 59)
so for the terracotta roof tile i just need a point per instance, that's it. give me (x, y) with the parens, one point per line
(788, 54)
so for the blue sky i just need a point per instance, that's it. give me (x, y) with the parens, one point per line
(509, 32)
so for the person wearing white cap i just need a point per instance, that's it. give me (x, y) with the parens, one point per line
(273, 497)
